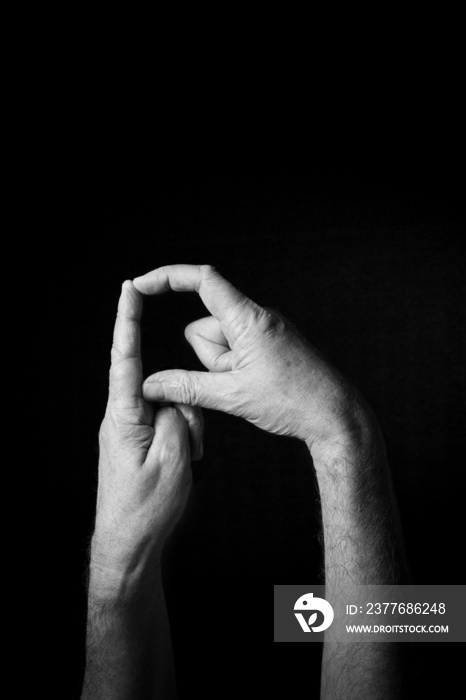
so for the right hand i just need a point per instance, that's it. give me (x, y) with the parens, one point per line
(260, 367)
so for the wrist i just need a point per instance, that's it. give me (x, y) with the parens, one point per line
(117, 573)
(355, 438)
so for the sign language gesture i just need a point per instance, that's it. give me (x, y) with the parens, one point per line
(145, 453)
(260, 367)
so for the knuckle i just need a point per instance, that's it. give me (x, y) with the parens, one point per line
(171, 412)
(188, 390)
(115, 355)
(116, 372)
(131, 431)
(118, 355)
(207, 271)
(270, 322)
(244, 317)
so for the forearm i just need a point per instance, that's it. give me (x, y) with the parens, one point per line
(129, 651)
(360, 520)
(363, 546)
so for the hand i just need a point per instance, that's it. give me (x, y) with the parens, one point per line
(145, 453)
(260, 367)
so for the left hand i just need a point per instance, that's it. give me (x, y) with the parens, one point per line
(145, 454)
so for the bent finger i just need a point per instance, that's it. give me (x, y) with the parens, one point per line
(170, 444)
(195, 420)
(209, 343)
(220, 297)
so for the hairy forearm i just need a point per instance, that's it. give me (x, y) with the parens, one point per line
(128, 636)
(361, 528)
(363, 546)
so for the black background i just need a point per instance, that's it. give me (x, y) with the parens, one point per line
(371, 268)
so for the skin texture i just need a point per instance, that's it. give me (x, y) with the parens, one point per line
(144, 482)
(261, 369)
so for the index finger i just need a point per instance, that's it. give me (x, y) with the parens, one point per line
(220, 297)
(126, 368)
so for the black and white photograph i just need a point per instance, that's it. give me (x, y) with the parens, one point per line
(254, 404)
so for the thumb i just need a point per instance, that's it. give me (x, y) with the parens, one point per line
(207, 389)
